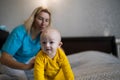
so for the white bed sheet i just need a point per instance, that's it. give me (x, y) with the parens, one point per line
(95, 65)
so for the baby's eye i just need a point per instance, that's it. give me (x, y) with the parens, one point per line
(43, 42)
(51, 42)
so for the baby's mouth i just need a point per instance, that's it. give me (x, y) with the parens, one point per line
(47, 49)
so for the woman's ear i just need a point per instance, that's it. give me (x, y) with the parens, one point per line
(60, 44)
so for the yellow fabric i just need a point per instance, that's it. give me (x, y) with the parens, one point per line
(57, 68)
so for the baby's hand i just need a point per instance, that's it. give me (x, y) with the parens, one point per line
(31, 63)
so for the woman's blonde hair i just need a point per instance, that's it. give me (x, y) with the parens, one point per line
(29, 22)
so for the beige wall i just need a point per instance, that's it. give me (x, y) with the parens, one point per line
(71, 17)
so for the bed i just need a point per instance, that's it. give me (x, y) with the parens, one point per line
(93, 58)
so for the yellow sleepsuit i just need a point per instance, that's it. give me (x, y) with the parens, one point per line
(57, 68)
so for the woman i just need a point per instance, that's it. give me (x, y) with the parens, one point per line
(22, 45)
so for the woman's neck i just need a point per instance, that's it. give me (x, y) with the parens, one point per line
(34, 33)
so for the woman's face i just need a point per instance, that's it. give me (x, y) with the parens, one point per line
(42, 21)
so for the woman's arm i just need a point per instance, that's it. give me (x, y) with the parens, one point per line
(8, 60)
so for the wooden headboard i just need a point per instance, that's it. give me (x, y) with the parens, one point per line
(73, 45)
(3, 37)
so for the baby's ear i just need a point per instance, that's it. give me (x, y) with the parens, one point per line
(60, 44)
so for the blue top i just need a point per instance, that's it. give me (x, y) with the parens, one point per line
(20, 45)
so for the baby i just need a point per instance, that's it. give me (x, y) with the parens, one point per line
(51, 63)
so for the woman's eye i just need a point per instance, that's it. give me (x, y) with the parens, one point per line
(40, 18)
(47, 20)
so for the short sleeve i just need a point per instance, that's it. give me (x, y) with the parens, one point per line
(14, 40)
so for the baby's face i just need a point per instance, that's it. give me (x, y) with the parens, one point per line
(50, 41)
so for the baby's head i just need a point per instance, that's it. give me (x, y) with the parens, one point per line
(50, 40)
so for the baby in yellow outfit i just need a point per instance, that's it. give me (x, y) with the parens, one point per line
(51, 63)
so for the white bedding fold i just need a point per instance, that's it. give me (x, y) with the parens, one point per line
(95, 65)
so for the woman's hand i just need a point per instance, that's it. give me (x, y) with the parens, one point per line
(8, 60)
(30, 65)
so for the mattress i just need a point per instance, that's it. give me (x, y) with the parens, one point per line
(95, 65)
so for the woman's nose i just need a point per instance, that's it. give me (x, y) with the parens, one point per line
(43, 21)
